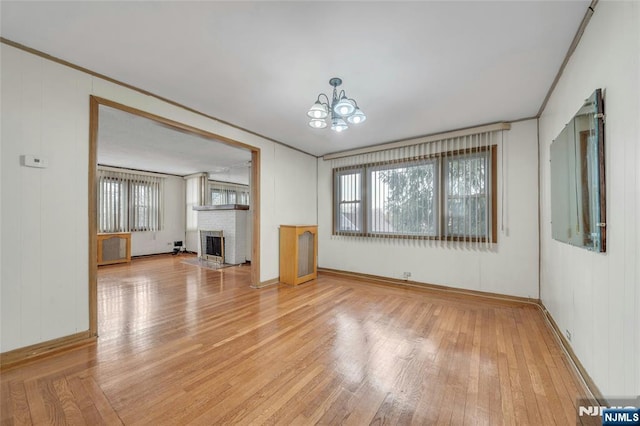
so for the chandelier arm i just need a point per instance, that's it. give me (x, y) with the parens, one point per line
(326, 97)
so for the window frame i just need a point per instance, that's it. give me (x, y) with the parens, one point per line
(490, 153)
(489, 193)
(337, 173)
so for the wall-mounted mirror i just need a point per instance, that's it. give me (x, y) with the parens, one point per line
(578, 212)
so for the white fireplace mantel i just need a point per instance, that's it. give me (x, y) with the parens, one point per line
(222, 207)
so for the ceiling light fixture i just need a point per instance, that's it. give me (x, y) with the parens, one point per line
(342, 110)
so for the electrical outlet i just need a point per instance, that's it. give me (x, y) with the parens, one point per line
(406, 275)
(568, 334)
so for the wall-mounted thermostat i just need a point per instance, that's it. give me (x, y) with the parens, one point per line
(33, 161)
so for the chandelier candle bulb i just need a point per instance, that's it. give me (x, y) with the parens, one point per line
(318, 123)
(318, 111)
(344, 107)
(339, 125)
(357, 117)
(343, 110)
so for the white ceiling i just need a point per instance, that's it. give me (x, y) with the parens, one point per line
(415, 68)
(134, 142)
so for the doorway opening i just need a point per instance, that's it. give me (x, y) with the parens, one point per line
(97, 107)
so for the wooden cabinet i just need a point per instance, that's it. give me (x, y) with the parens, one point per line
(114, 248)
(298, 253)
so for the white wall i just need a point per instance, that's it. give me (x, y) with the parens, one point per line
(173, 223)
(44, 248)
(510, 268)
(597, 296)
(45, 111)
(289, 199)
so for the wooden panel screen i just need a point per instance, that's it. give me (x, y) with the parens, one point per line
(298, 253)
(114, 248)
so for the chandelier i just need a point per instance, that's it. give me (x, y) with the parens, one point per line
(342, 110)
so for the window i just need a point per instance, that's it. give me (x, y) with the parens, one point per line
(403, 198)
(466, 195)
(128, 202)
(144, 209)
(447, 196)
(228, 193)
(112, 197)
(349, 212)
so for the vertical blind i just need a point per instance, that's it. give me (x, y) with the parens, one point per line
(228, 193)
(439, 192)
(129, 201)
(195, 196)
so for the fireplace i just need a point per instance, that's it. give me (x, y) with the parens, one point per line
(212, 246)
(234, 224)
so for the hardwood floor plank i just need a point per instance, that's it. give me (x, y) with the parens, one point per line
(507, 405)
(184, 345)
(19, 406)
(72, 412)
(101, 402)
(473, 383)
(36, 403)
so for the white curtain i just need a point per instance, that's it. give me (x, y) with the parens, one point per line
(129, 201)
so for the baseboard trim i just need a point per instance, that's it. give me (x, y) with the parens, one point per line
(164, 253)
(434, 287)
(579, 369)
(266, 283)
(21, 356)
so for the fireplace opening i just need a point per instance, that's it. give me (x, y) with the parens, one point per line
(212, 246)
(215, 246)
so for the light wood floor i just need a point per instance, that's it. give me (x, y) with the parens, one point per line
(184, 345)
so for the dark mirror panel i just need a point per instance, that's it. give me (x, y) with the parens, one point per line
(578, 215)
